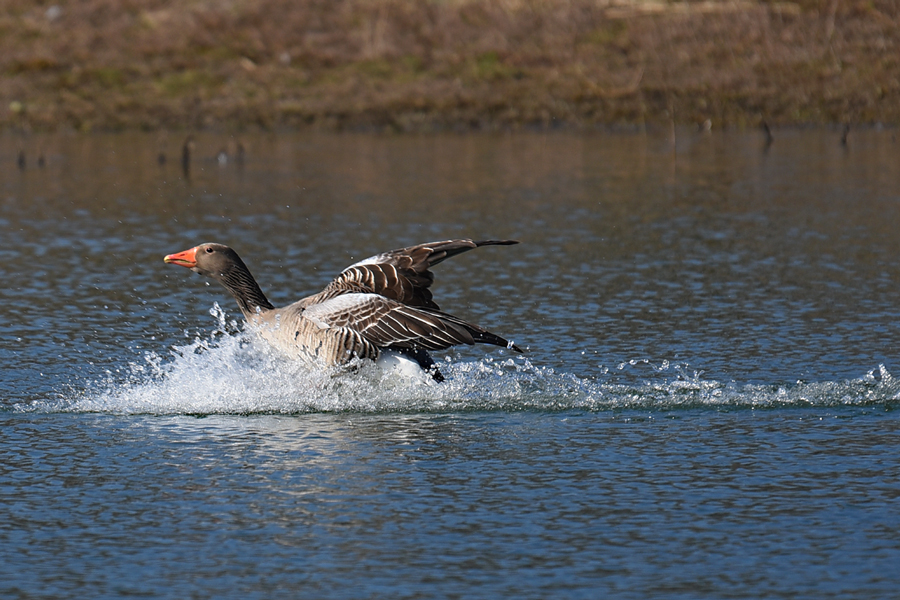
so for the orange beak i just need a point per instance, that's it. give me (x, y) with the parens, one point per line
(188, 258)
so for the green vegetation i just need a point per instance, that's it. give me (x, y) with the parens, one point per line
(446, 64)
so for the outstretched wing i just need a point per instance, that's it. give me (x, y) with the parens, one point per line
(402, 275)
(387, 323)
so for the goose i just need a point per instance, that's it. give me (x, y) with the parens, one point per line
(380, 308)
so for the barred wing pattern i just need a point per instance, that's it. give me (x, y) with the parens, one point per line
(402, 275)
(387, 323)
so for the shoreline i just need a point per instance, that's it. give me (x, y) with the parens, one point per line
(457, 65)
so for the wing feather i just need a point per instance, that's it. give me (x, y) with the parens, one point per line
(387, 323)
(402, 275)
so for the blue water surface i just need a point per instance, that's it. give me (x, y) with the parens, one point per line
(694, 503)
(707, 407)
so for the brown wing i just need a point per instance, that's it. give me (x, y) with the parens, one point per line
(402, 275)
(390, 324)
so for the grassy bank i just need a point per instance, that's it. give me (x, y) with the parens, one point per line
(445, 64)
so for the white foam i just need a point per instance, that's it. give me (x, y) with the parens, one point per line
(229, 371)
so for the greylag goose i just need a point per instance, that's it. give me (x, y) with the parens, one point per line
(378, 306)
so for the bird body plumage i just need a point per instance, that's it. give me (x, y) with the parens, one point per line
(380, 303)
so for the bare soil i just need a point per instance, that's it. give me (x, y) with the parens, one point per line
(423, 65)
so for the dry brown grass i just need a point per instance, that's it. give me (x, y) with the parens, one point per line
(433, 64)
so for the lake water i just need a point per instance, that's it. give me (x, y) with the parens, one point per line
(707, 407)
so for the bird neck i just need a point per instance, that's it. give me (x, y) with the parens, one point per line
(246, 291)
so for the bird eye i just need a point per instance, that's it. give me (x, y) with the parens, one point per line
(209, 250)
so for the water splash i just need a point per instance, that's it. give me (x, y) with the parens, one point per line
(229, 371)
